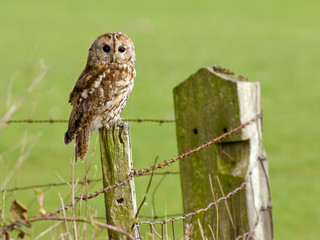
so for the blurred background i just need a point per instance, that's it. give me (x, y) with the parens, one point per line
(273, 42)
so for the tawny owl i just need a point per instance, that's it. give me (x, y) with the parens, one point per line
(102, 89)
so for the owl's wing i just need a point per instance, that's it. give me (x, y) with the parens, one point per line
(85, 100)
(85, 83)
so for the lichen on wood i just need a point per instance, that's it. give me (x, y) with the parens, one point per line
(116, 162)
(208, 104)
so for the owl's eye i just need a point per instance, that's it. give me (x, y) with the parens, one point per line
(122, 49)
(106, 48)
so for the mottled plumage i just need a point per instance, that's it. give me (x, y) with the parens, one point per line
(102, 89)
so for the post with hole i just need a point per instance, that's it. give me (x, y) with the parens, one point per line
(208, 104)
(116, 161)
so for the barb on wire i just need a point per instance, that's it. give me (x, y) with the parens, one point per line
(243, 236)
(158, 217)
(158, 166)
(138, 120)
(161, 173)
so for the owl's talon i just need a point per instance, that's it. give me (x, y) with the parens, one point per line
(121, 122)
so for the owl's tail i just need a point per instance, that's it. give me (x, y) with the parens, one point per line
(81, 142)
(68, 137)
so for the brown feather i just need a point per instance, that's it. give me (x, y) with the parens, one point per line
(82, 144)
(85, 81)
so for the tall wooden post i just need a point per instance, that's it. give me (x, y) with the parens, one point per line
(208, 104)
(116, 161)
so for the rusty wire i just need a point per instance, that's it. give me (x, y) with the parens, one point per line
(244, 235)
(88, 181)
(197, 211)
(92, 195)
(197, 149)
(146, 171)
(45, 185)
(156, 167)
(35, 121)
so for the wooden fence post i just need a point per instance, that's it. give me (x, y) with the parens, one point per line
(208, 104)
(116, 161)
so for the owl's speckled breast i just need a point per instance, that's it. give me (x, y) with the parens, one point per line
(115, 88)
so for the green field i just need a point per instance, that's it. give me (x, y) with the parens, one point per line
(274, 42)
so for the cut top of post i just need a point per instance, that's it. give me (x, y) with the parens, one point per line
(231, 108)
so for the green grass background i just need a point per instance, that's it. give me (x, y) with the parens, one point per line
(274, 42)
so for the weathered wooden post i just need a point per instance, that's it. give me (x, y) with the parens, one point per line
(208, 104)
(116, 161)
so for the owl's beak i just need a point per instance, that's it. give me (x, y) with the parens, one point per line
(113, 58)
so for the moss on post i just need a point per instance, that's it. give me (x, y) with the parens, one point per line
(116, 161)
(208, 104)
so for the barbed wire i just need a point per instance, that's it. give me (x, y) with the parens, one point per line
(139, 120)
(35, 121)
(196, 149)
(92, 195)
(88, 181)
(197, 211)
(248, 180)
(244, 235)
(162, 216)
(156, 167)
(114, 228)
(148, 171)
